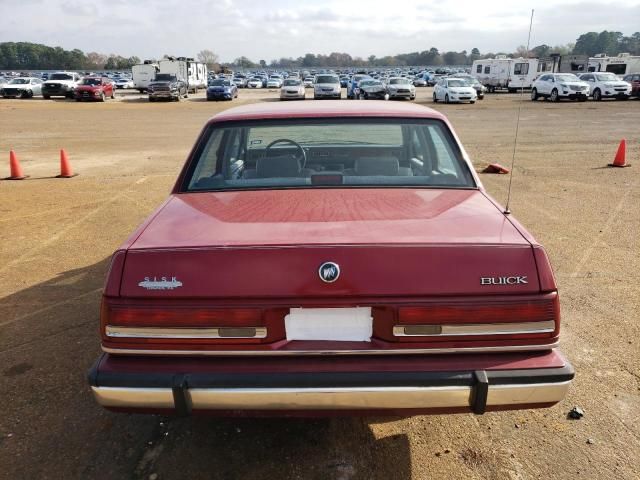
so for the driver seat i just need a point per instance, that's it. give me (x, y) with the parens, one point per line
(278, 167)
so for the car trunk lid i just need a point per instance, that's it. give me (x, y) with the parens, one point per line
(271, 243)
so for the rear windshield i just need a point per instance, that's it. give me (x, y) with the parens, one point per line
(327, 79)
(340, 152)
(165, 77)
(567, 77)
(606, 77)
(91, 81)
(61, 76)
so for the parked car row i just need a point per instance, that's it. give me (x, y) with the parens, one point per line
(62, 84)
(597, 85)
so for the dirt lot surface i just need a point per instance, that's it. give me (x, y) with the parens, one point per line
(56, 236)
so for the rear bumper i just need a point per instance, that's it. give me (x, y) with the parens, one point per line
(165, 94)
(574, 95)
(219, 96)
(319, 94)
(326, 386)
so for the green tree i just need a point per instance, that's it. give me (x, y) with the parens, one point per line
(541, 51)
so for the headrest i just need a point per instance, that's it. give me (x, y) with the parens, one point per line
(372, 166)
(275, 167)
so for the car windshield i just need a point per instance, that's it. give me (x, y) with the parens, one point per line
(370, 83)
(19, 81)
(220, 83)
(606, 77)
(457, 83)
(310, 153)
(398, 81)
(61, 76)
(567, 77)
(165, 77)
(91, 81)
(327, 79)
(291, 83)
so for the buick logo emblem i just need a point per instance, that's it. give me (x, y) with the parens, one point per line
(329, 272)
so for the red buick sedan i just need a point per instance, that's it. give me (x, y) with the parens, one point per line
(323, 259)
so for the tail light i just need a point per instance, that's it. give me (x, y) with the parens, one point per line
(163, 324)
(438, 323)
(505, 318)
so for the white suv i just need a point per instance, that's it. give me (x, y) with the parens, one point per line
(606, 85)
(556, 86)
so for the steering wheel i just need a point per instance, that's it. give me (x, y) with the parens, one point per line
(302, 157)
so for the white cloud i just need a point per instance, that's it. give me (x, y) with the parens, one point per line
(267, 29)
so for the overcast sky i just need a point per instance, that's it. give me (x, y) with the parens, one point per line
(268, 29)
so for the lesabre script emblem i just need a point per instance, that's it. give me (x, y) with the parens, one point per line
(329, 272)
(160, 283)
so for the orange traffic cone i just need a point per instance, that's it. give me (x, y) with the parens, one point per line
(65, 166)
(16, 169)
(619, 160)
(495, 168)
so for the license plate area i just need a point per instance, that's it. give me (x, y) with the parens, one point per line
(331, 324)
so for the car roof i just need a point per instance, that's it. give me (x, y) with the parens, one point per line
(336, 109)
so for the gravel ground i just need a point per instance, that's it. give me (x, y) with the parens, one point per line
(56, 236)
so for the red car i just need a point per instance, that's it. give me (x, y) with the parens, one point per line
(329, 259)
(634, 80)
(95, 88)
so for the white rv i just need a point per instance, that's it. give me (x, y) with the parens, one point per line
(143, 74)
(623, 64)
(186, 69)
(503, 72)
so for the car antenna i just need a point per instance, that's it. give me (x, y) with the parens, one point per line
(515, 140)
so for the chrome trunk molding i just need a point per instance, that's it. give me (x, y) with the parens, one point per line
(452, 329)
(398, 351)
(185, 333)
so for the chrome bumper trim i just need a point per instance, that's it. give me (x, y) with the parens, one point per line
(452, 329)
(184, 333)
(330, 398)
(398, 351)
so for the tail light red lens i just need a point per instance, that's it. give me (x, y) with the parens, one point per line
(163, 316)
(538, 310)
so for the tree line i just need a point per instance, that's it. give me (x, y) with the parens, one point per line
(32, 56)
